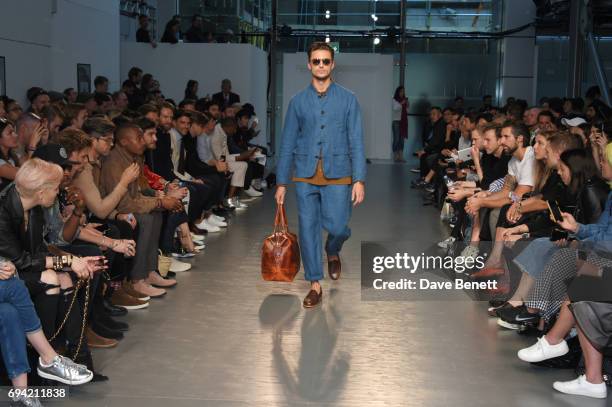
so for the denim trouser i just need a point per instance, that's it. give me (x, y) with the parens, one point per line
(17, 317)
(322, 207)
(536, 256)
(398, 140)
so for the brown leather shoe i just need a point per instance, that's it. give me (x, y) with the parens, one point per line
(334, 268)
(313, 298)
(129, 290)
(96, 341)
(122, 299)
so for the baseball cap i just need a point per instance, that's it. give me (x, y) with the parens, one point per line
(575, 122)
(53, 153)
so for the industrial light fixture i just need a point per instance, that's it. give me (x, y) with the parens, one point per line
(327, 39)
(374, 17)
(327, 14)
(376, 40)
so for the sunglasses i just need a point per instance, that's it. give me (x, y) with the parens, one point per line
(317, 61)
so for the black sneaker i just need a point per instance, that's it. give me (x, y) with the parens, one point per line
(509, 312)
(526, 318)
(495, 306)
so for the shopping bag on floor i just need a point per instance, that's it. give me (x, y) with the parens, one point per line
(280, 254)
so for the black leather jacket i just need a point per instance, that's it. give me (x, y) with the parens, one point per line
(591, 200)
(25, 248)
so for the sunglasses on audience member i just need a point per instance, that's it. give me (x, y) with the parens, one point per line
(317, 61)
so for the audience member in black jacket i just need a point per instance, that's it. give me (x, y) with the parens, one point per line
(226, 97)
(21, 241)
(434, 138)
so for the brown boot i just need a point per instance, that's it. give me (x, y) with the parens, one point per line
(128, 287)
(120, 298)
(96, 341)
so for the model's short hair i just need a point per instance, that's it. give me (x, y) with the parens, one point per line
(144, 123)
(148, 108)
(518, 129)
(318, 45)
(98, 126)
(492, 127)
(100, 80)
(35, 175)
(184, 113)
(201, 119)
(72, 140)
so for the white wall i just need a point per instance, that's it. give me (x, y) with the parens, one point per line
(43, 44)
(174, 64)
(369, 76)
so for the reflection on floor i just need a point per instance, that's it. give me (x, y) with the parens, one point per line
(224, 337)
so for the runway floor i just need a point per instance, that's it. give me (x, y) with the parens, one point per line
(223, 337)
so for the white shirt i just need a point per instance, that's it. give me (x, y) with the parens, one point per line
(523, 171)
(397, 110)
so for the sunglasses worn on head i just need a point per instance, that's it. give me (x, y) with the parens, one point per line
(317, 61)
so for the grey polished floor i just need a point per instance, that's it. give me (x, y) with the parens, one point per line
(224, 337)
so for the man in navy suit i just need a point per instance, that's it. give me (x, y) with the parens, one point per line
(226, 97)
(322, 144)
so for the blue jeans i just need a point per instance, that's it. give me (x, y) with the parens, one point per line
(536, 256)
(322, 207)
(17, 317)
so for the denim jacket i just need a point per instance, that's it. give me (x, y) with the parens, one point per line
(327, 127)
(599, 233)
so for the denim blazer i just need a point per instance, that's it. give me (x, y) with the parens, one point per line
(328, 127)
(600, 233)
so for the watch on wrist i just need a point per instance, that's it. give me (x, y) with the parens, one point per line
(525, 235)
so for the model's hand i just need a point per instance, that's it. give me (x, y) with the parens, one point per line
(281, 190)
(358, 194)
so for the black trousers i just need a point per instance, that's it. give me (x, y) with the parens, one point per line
(201, 198)
(254, 171)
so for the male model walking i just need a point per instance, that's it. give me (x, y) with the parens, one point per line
(322, 142)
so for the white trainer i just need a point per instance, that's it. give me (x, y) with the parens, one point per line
(446, 243)
(179, 266)
(252, 192)
(215, 222)
(209, 227)
(219, 218)
(581, 387)
(470, 252)
(542, 350)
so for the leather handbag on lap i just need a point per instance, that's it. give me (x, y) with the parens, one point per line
(280, 255)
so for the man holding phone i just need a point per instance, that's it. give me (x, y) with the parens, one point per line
(323, 141)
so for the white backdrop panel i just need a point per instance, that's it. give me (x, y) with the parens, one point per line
(173, 65)
(369, 76)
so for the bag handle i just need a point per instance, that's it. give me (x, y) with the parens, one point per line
(280, 220)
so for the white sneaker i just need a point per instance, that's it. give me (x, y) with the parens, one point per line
(581, 387)
(215, 222)
(197, 238)
(209, 227)
(200, 247)
(238, 204)
(219, 218)
(446, 243)
(470, 252)
(542, 350)
(252, 192)
(179, 266)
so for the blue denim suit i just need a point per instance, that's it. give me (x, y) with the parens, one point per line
(327, 127)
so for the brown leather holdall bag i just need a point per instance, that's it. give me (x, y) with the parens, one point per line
(280, 254)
